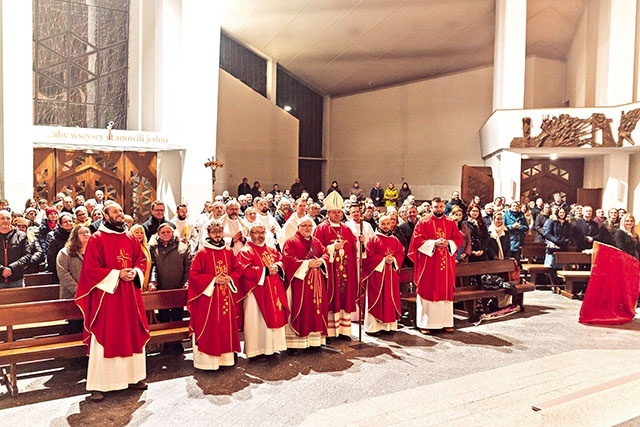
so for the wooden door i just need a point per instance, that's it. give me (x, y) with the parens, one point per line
(44, 173)
(128, 178)
(590, 197)
(79, 172)
(140, 184)
(476, 181)
(544, 177)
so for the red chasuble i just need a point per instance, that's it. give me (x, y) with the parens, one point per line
(308, 296)
(343, 270)
(383, 288)
(213, 319)
(612, 292)
(271, 295)
(435, 275)
(118, 320)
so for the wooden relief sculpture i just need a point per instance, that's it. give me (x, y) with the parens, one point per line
(566, 131)
(627, 125)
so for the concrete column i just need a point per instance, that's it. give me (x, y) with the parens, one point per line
(509, 54)
(16, 106)
(187, 47)
(616, 181)
(506, 167)
(636, 73)
(272, 80)
(199, 98)
(141, 108)
(616, 52)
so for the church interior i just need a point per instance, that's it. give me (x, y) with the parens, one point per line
(179, 100)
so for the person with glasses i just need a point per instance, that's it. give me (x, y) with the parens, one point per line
(156, 218)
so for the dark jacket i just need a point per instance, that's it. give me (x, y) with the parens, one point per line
(36, 258)
(583, 229)
(244, 189)
(43, 232)
(479, 239)
(405, 231)
(627, 243)
(377, 195)
(55, 242)
(171, 264)
(151, 226)
(558, 233)
(14, 254)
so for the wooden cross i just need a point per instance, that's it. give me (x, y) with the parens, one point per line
(214, 165)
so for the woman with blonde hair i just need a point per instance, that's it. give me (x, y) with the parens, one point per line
(626, 237)
(138, 232)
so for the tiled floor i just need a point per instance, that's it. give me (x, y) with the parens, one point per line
(485, 375)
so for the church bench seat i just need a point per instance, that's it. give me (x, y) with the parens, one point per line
(467, 294)
(35, 331)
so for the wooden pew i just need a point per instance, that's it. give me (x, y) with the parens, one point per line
(30, 294)
(534, 254)
(29, 335)
(38, 279)
(576, 271)
(468, 294)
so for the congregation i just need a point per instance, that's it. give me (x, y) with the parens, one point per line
(288, 270)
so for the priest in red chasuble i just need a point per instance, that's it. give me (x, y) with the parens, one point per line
(211, 301)
(305, 259)
(433, 246)
(262, 291)
(381, 274)
(109, 296)
(341, 245)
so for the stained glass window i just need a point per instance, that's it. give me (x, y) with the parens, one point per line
(80, 61)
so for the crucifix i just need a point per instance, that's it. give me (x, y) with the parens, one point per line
(213, 164)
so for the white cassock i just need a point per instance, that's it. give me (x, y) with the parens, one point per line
(231, 228)
(269, 223)
(186, 230)
(289, 228)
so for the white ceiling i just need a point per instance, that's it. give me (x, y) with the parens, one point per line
(340, 47)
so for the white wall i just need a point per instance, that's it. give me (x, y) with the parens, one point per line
(593, 172)
(634, 185)
(581, 60)
(545, 83)
(421, 133)
(255, 138)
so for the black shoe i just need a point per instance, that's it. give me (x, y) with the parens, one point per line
(344, 337)
(258, 359)
(292, 352)
(140, 385)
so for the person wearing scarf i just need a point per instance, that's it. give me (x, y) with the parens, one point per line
(49, 224)
(498, 238)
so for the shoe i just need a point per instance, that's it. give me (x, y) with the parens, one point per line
(373, 334)
(292, 352)
(140, 385)
(425, 331)
(96, 396)
(259, 359)
(449, 330)
(344, 337)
